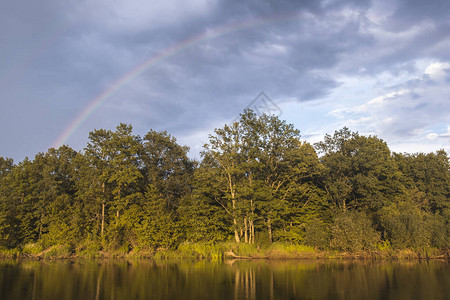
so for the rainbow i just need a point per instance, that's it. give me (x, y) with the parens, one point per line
(169, 52)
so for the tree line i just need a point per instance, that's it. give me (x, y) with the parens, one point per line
(256, 183)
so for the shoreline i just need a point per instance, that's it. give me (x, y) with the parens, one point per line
(230, 251)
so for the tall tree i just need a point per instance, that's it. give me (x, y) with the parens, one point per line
(257, 165)
(8, 220)
(360, 171)
(167, 166)
(430, 174)
(98, 155)
(114, 160)
(224, 153)
(125, 154)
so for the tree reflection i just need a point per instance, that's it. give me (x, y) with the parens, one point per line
(248, 280)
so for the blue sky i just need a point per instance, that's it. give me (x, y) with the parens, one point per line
(377, 67)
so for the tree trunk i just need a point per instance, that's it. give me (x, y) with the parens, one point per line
(236, 233)
(233, 202)
(245, 230)
(40, 228)
(252, 233)
(103, 210)
(269, 229)
(252, 225)
(117, 213)
(103, 218)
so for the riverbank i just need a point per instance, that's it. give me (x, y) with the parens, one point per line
(222, 251)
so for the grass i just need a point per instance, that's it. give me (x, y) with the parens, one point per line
(9, 253)
(32, 249)
(57, 252)
(283, 250)
(217, 252)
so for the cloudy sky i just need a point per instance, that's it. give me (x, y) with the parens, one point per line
(189, 66)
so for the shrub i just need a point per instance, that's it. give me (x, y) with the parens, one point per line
(407, 226)
(59, 251)
(89, 248)
(317, 234)
(32, 248)
(353, 231)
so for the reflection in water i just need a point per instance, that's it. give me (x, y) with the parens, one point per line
(144, 279)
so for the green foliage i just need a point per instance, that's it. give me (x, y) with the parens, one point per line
(88, 248)
(32, 248)
(317, 234)
(290, 249)
(360, 171)
(263, 177)
(202, 250)
(203, 220)
(429, 173)
(292, 234)
(10, 252)
(353, 231)
(159, 227)
(167, 166)
(257, 184)
(408, 226)
(58, 251)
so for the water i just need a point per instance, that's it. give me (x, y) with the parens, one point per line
(144, 279)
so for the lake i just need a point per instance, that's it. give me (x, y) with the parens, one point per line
(262, 279)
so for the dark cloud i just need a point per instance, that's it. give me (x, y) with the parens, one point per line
(411, 12)
(56, 57)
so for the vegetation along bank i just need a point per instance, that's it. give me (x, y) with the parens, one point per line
(258, 191)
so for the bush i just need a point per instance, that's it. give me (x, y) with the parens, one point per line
(89, 248)
(202, 250)
(32, 248)
(292, 234)
(59, 251)
(353, 231)
(407, 226)
(9, 253)
(440, 235)
(262, 239)
(317, 234)
(290, 249)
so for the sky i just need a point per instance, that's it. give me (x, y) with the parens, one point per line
(188, 66)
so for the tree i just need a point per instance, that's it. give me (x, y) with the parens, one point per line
(360, 171)
(167, 166)
(113, 158)
(408, 225)
(57, 196)
(430, 174)
(125, 160)
(98, 166)
(6, 165)
(261, 171)
(159, 227)
(304, 194)
(8, 221)
(223, 153)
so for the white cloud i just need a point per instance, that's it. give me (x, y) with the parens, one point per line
(407, 114)
(432, 136)
(438, 71)
(444, 135)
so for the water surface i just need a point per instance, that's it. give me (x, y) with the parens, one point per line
(145, 279)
